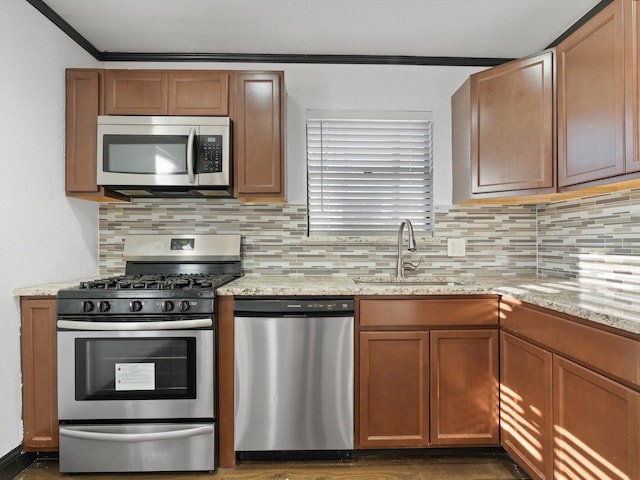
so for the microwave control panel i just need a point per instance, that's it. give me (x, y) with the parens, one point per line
(209, 153)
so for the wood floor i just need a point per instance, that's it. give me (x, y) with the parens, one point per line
(423, 467)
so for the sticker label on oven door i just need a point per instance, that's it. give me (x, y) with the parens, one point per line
(135, 376)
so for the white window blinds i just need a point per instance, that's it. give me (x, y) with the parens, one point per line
(367, 171)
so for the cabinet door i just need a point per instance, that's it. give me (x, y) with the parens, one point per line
(632, 84)
(596, 425)
(135, 92)
(512, 126)
(258, 131)
(394, 390)
(591, 100)
(464, 387)
(39, 379)
(198, 93)
(525, 405)
(82, 109)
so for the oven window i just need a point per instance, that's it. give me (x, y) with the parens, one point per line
(135, 368)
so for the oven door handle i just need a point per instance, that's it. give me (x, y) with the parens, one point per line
(136, 326)
(137, 437)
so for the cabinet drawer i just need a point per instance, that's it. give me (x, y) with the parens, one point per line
(606, 352)
(421, 312)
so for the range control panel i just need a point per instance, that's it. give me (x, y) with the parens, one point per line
(291, 306)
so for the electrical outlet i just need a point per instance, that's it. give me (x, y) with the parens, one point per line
(456, 247)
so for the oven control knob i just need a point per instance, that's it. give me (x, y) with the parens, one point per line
(183, 305)
(104, 306)
(135, 306)
(87, 306)
(167, 306)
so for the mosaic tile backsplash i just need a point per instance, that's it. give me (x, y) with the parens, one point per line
(595, 239)
(567, 239)
(274, 240)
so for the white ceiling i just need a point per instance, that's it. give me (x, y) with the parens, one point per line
(430, 28)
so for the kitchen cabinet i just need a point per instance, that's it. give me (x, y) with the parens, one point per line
(162, 92)
(394, 389)
(258, 130)
(591, 379)
(632, 85)
(504, 131)
(198, 93)
(253, 100)
(525, 405)
(83, 105)
(39, 378)
(427, 372)
(464, 387)
(591, 99)
(596, 423)
(598, 128)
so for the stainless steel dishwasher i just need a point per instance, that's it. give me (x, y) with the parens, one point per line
(293, 374)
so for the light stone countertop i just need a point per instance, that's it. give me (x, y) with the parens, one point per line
(614, 308)
(47, 289)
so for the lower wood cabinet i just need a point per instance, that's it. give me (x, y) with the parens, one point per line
(39, 378)
(570, 396)
(464, 387)
(596, 425)
(394, 389)
(525, 405)
(421, 386)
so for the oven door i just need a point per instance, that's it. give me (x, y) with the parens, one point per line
(135, 375)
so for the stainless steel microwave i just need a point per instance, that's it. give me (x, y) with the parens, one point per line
(164, 156)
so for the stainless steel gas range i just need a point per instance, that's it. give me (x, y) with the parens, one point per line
(136, 358)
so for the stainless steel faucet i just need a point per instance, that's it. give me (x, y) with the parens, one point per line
(411, 246)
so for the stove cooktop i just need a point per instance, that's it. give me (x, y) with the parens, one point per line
(158, 282)
(140, 295)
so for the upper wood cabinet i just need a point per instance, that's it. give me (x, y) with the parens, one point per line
(161, 92)
(39, 378)
(504, 131)
(83, 105)
(198, 93)
(632, 85)
(253, 100)
(258, 128)
(82, 110)
(591, 99)
(598, 91)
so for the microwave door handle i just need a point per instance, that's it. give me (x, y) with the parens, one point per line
(190, 170)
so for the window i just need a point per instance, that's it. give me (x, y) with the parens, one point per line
(367, 171)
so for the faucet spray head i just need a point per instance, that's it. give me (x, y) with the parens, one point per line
(412, 239)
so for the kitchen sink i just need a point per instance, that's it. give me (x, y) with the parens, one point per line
(435, 282)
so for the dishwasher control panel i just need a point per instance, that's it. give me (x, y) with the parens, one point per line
(293, 305)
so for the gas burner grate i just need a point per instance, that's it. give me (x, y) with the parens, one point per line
(156, 282)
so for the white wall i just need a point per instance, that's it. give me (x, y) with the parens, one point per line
(44, 237)
(356, 87)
